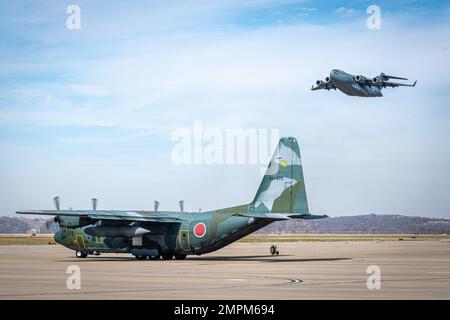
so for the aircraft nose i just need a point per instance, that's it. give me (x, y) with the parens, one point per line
(59, 237)
(334, 74)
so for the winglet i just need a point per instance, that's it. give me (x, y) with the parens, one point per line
(414, 84)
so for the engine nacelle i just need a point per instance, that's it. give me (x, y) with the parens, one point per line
(73, 222)
(377, 81)
(320, 82)
(360, 79)
(327, 79)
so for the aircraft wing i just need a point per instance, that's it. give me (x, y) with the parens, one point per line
(396, 84)
(147, 216)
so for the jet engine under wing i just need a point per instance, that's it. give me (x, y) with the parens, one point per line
(148, 216)
(325, 85)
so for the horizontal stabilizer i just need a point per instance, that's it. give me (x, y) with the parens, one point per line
(307, 216)
(281, 216)
(268, 216)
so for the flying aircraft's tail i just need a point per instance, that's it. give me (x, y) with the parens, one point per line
(282, 189)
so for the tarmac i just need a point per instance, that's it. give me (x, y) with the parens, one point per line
(302, 270)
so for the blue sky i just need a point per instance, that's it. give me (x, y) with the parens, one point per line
(90, 112)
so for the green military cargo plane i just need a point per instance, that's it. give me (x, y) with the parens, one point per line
(169, 234)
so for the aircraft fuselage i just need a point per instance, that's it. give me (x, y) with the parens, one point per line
(198, 233)
(346, 83)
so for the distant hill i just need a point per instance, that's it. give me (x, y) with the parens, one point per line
(21, 225)
(370, 223)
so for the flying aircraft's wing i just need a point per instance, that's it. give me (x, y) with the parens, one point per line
(382, 80)
(396, 84)
(386, 77)
(148, 216)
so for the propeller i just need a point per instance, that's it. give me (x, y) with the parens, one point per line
(181, 203)
(52, 224)
(56, 201)
(156, 205)
(94, 203)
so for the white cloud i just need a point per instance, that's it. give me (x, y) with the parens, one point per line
(345, 12)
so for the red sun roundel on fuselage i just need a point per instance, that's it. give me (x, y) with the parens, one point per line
(200, 230)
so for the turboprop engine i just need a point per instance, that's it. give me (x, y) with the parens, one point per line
(70, 221)
(73, 222)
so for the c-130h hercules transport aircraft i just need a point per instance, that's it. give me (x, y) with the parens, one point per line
(168, 234)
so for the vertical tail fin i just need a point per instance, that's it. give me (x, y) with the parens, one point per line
(282, 189)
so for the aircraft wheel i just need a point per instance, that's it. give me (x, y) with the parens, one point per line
(157, 257)
(180, 256)
(167, 256)
(140, 257)
(81, 254)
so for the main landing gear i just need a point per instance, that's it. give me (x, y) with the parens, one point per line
(167, 256)
(84, 254)
(81, 254)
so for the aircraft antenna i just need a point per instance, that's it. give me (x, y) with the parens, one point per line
(56, 201)
(94, 204)
(181, 203)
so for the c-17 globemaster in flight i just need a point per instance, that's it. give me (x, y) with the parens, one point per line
(359, 86)
(168, 234)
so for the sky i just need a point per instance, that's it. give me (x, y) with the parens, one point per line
(90, 112)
